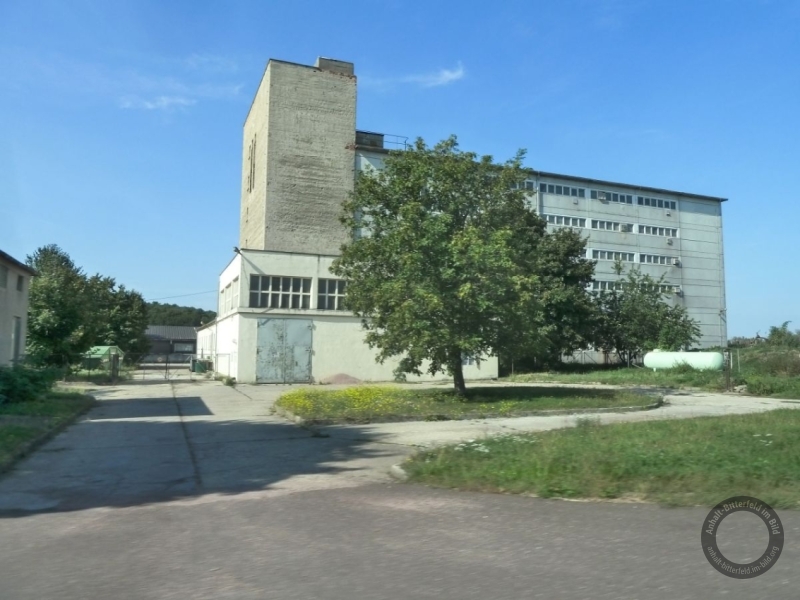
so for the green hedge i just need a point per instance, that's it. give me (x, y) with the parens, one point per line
(25, 384)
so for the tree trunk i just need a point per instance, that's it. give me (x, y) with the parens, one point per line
(458, 377)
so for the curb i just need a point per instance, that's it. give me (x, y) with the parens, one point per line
(398, 473)
(45, 437)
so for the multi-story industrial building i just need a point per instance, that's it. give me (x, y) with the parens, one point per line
(281, 317)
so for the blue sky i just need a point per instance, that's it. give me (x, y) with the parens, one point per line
(120, 122)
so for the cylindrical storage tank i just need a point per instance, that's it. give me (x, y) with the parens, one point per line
(704, 361)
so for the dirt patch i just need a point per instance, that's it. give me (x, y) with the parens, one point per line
(340, 379)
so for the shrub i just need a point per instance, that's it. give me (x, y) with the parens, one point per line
(25, 384)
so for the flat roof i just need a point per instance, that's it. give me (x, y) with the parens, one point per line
(587, 180)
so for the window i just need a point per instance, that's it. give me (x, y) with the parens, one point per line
(228, 298)
(656, 202)
(468, 360)
(657, 259)
(562, 190)
(251, 164)
(612, 197)
(330, 294)
(609, 255)
(235, 290)
(524, 185)
(611, 226)
(221, 301)
(268, 291)
(565, 221)
(662, 231)
(603, 286)
(3, 276)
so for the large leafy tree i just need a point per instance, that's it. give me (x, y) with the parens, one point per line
(58, 315)
(636, 317)
(70, 312)
(448, 261)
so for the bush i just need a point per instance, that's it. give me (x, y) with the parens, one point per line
(25, 384)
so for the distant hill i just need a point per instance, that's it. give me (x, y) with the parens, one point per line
(172, 314)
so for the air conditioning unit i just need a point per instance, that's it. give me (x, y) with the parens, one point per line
(602, 196)
(574, 200)
(670, 241)
(669, 213)
(677, 290)
(676, 262)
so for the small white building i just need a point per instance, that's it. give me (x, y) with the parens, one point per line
(281, 320)
(14, 283)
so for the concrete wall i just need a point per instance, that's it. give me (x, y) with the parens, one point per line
(13, 305)
(303, 124)
(698, 245)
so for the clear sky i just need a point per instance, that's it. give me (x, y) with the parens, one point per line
(120, 122)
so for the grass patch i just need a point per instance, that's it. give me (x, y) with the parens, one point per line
(765, 371)
(22, 423)
(364, 404)
(665, 378)
(678, 462)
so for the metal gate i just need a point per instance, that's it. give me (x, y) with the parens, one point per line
(283, 353)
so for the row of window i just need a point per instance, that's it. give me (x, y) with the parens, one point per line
(609, 255)
(269, 291)
(604, 286)
(565, 190)
(568, 221)
(612, 197)
(564, 220)
(662, 231)
(656, 202)
(4, 270)
(562, 190)
(658, 259)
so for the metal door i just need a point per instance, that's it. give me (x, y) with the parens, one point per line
(283, 353)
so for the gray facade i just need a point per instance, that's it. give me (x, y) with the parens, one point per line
(297, 162)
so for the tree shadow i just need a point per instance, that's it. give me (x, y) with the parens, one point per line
(135, 452)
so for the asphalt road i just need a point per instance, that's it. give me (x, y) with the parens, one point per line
(203, 494)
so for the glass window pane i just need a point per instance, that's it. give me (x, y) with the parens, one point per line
(342, 286)
(551, 189)
(295, 301)
(306, 286)
(593, 194)
(254, 282)
(274, 300)
(276, 284)
(574, 192)
(306, 301)
(582, 193)
(559, 191)
(543, 187)
(286, 284)
(254, 299)
(296, 283)
(320, 301)
(284, 300)
(331, 286)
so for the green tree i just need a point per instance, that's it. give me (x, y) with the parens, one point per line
(448, 261)
(172, 314)
(70, 312)
(57, 323)
(781, 336)
(635, 318)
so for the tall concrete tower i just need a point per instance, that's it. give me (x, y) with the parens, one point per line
(298, 160)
